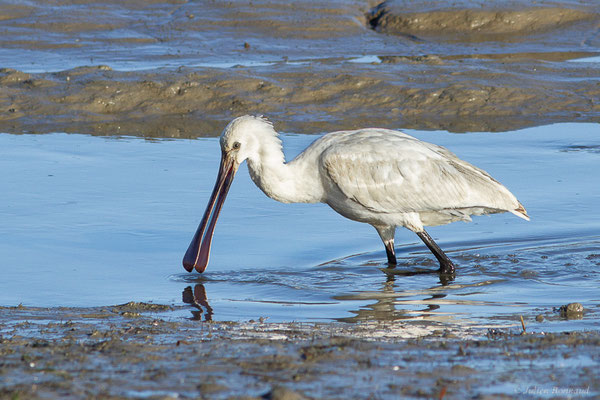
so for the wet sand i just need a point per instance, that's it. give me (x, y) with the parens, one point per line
(184, 69)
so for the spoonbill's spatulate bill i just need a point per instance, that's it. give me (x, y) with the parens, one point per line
(382, 177)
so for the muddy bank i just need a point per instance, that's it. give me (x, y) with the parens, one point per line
(91, 353)
(488, 21)
(184, 69)
(423, 93)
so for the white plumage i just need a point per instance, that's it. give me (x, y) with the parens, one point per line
(378, 176)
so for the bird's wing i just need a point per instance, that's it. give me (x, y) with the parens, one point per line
(397, 173)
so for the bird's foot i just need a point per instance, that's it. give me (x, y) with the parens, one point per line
(447, 268)
(447, 273)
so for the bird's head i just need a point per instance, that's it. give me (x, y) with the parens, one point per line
(242, 138)
(240, 141)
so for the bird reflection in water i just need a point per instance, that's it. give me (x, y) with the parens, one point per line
(384, 309)
(388, 303)
(197, 298)
(391, 274)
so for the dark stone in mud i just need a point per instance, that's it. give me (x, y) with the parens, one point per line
(571, 310)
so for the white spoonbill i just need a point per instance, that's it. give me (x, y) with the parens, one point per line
(382, 177)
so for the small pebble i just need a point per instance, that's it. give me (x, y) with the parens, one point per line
(539, 318)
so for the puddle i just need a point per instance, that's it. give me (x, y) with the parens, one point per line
(595, 59)
(93, 221)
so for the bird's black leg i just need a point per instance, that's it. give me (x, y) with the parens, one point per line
(386, 233)
(391, 253)
(446, 265)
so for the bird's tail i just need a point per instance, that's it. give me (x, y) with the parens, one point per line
(520, 212)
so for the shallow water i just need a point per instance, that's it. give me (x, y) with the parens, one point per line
(93, 221)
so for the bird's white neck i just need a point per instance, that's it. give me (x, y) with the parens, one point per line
(285, 182)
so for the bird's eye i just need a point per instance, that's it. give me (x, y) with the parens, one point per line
(236, 145)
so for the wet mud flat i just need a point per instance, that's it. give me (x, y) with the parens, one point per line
(184, 69)
(132, 351)
(199, 102)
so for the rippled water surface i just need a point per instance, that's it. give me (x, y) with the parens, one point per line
(92, 221)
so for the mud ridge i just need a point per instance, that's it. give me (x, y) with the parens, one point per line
(192, 102)
(476, 24)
